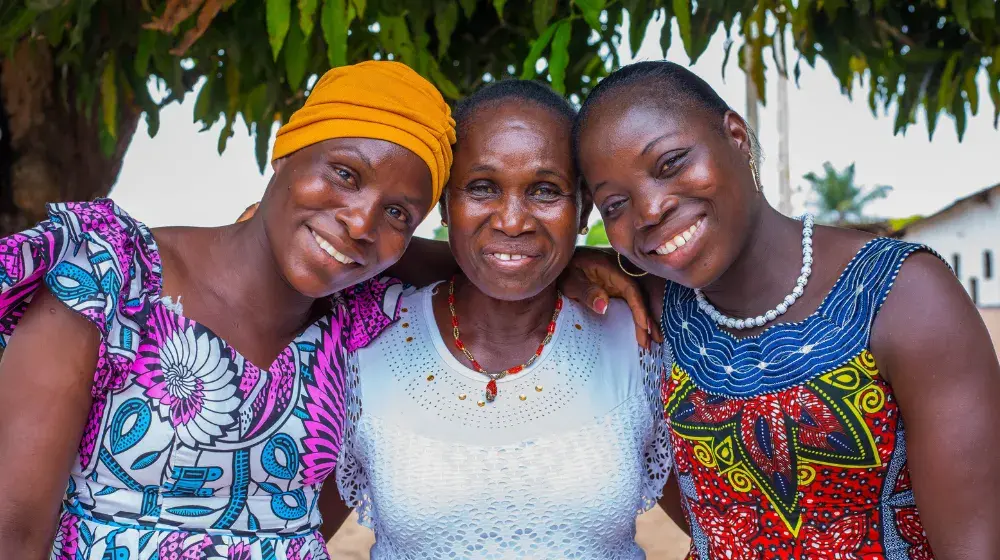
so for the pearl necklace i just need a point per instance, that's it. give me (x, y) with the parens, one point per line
(761, 320)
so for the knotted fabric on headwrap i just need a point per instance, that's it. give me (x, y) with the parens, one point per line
(383, 100)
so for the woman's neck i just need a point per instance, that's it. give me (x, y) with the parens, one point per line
(499, 333)
(765, 270)
(229, 281)
(254, 279)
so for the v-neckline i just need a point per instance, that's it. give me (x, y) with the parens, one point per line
(276, 364)
(159, 298)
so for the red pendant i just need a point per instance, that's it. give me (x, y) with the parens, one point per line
(491, 390)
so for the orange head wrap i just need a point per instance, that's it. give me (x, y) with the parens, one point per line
(382, 100)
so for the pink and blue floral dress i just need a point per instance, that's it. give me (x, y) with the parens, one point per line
(190, 450)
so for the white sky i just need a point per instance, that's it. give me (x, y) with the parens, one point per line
(177, 178)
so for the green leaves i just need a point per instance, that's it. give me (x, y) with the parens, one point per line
(335, 31)
(591, 10)
(296, 55)
(147, 41)
(537, 46)
(109, 96)
(256, 56)
(640, 12)
(597, 236)
(559, 59)
(682, 9)
(279, 15)
(994, 88)
(961, 10)
(468, 7)
(307, 13)
(445, 20)
(837, 198)
(203, 105)
(541, 13)
(262, 137)
(395, 37)
(41, 5)
(359, 7)
(447, 87)
(498, 6)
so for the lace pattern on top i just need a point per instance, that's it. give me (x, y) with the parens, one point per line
(572, 489)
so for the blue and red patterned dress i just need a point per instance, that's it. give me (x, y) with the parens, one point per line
(190, 451)
(789, 444)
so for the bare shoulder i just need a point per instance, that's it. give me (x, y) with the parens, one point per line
(838, 244)
(928, 313)
(926, 285)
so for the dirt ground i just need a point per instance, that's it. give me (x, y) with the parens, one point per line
(656, 533)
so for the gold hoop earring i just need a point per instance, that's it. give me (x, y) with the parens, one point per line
(622, 266)
(755, 172)
(585, 230)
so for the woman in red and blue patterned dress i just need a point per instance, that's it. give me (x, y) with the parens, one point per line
(832, 395)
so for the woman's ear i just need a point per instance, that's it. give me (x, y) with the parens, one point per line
(738, 132)
(248, 213)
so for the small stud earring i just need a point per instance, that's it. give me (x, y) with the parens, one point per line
(585, 230)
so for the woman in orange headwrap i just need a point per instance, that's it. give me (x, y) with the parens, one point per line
(203, 413)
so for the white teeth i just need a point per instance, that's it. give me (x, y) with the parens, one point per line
(337, 255)
(508, 257)
(679, 241)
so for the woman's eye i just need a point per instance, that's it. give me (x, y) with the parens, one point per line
(611, 206)
(396, 213)
(480, 189)
(547, 192)
(341, 174)
(669, 165)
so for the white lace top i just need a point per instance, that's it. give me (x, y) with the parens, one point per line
(559, 466)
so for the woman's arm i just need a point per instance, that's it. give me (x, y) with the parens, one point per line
(935, 351)
(332, 508)
(593, 277)
(425, 261)
(45, 379)
(671, 503)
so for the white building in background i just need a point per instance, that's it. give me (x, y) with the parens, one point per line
(967, 235)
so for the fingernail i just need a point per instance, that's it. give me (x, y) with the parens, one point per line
(600, 306)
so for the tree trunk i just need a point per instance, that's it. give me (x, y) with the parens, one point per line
(49, 149)
(784, 175)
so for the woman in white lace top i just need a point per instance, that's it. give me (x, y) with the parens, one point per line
(505, 421)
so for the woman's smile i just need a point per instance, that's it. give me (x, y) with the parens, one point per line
(676, 247)
(329, 248)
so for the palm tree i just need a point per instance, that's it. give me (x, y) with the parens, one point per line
(837, 199)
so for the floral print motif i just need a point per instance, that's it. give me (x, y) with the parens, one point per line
(193, 386)
(190, 451)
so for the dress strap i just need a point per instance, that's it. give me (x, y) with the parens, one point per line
(865, 283)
